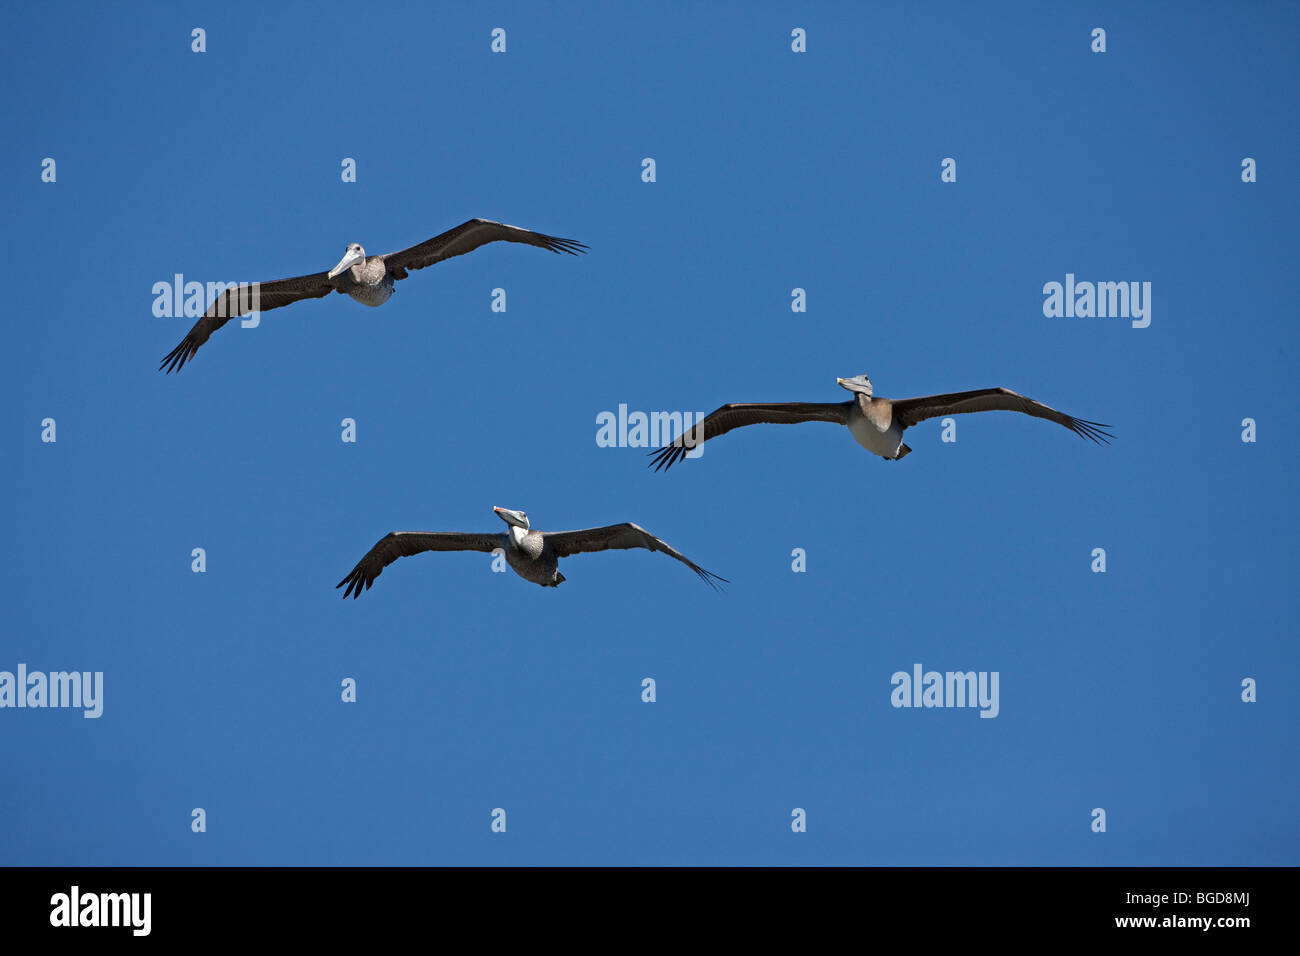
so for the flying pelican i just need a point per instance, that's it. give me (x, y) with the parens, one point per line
(368, 279)
(534, 555)
(876, 424)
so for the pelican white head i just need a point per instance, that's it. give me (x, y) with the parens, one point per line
(516, 519)
(858, 383)
(350, 258)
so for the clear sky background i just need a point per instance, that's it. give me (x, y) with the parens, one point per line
(775, 170)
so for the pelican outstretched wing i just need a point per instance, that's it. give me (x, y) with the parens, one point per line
(623, 537)
(909, 411)
(735, 415)
(469, 236)
(402, 544)
(241, 300)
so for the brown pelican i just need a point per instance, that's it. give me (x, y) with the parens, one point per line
(876, 423)
(534, 555)
(368, 279)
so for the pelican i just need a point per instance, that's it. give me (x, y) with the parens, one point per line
(534, 555)
(368, 279)
(876, 424)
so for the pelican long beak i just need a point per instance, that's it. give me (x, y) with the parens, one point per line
(509, 517)
(840, 382)
(347, 262)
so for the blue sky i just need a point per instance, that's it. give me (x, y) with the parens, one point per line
(775, 171)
